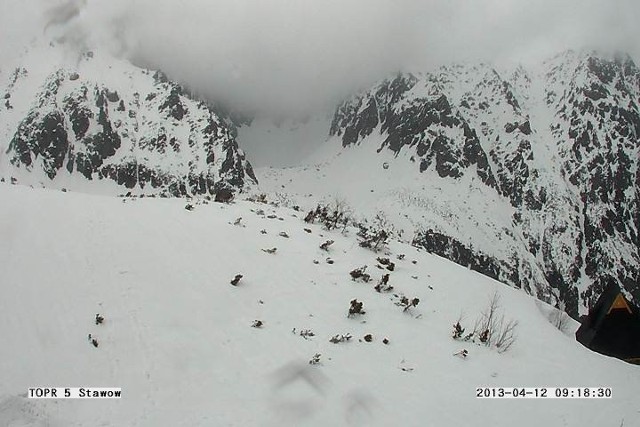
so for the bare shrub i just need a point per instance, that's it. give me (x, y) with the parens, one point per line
(340, 338)
(375, 236)
(325, 245)
(359, 274)
(504, 336)
(383, 285)
(492, 329)
(458, 330)
(406, 303)
(306, 333)
(355, 307)
(315, 360)
(336, 214)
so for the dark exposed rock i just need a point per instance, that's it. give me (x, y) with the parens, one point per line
(174, 105)
(525, 128)
(41, 136)
(224, 195)
(457, 252)
(112, 96)
(576, 230)
(510, 127)
(103, 141)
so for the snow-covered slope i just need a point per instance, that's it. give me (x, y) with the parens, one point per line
(528, 176)
(69, 118)
(177, 336)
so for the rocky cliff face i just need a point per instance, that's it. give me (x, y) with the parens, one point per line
(104, 119)
(559, 145)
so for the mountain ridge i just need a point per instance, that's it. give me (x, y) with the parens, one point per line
(547, 154)
(104, 119)
(533, 137)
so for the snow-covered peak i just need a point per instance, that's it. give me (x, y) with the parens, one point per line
(545, 155)
(97, 117)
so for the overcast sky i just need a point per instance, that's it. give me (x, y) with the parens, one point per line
(294, 54)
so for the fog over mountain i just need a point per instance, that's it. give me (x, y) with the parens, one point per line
(295, 56)
(211, 179)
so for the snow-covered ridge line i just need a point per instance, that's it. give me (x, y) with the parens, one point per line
(529, 176)
(99, 118)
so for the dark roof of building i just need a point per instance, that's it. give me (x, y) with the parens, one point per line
(612, 297)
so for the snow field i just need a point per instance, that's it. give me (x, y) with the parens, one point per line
(177, 335)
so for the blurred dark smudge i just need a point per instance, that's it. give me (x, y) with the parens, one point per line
(63, 14)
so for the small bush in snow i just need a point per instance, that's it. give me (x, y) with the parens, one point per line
(374, 236)
(311, 217)
(458, 330)
(407, 303)
(257, 324)
(306, 333)
(383, 285)
(333, 216)
(359, 274)
(325, 245)
(387, 263)
(340, 338)
(462, 354)
(315, 360)
(368, 338)
(99, 319)
(355, 308)
(491, 328)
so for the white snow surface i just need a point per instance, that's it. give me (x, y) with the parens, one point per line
(177, 336)
(408, 199)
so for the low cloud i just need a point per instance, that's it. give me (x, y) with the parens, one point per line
(296, 55)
